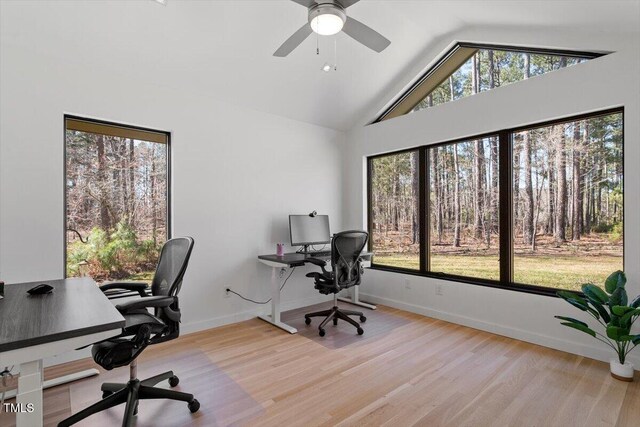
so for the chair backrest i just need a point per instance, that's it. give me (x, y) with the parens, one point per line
(171, 267)
(167, 281)
(346, 248)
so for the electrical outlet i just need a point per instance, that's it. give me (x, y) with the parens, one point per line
(227, 294)
(439, 290)
(407, 284)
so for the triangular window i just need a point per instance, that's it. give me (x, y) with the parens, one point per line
(468, 69)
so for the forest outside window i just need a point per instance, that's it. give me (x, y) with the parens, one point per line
(464, 200)
(117, 200)
(535, 209)
(568, 202)
(394, 210)
(468, 69)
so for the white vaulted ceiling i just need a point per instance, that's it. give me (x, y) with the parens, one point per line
(223, 49)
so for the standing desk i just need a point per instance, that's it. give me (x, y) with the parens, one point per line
(35, 327)
(296, 259)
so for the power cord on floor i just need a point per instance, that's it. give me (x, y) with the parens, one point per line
(267, 301)
(4, 374)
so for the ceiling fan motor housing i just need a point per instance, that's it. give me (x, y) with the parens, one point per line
(321, 9)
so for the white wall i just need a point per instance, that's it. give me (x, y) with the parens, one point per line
(610, 81)
(236, 175)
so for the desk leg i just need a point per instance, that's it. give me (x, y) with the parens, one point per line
(53, 382)
(29, 398)
(354, 299)
(274, 318)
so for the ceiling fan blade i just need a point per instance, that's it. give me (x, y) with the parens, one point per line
(348, 3)
(294, 41)
(305, 3)
(365, 35)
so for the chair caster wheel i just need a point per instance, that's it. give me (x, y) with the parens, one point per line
(363, 319)
(173, 381)
(321, 332)
(106, 394)
(307, 320)
(193, 406)
(335, 321)
(360, 331)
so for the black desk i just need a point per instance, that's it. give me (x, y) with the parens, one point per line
(32, 328)
(294, 259)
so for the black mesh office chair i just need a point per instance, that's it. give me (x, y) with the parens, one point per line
(142, 329)
(346, 248)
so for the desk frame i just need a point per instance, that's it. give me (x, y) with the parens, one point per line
(282, 266)
(30, 381)
(274, 317)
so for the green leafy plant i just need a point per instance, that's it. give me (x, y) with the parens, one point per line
(112, 256)
(611, 309)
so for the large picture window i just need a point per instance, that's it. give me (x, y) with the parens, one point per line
(394, 210)
(567, 202)
(117, 199)
(537, 209)
(464, 198)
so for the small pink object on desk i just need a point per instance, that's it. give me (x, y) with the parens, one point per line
(279, 249)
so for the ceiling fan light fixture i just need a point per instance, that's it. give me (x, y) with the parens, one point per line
(327, 19)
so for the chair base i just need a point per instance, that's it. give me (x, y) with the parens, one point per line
(131, 393)
(336, 314)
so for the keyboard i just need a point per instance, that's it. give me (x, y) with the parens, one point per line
(322, 254)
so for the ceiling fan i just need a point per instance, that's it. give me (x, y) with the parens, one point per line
(328, 17)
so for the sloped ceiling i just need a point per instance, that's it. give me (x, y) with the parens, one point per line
(223, 49)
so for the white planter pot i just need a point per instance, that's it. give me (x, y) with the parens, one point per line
(621, 372)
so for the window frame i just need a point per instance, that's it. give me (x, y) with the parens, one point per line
(136, 131)
(505, 197)
(400, 101)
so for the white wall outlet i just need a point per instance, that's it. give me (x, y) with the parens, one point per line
(227, 294)
(407, 284)
(439, 290)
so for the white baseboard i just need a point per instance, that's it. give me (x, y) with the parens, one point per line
(189, 328)
(544, 340)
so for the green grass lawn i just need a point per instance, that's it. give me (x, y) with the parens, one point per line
(558, 271)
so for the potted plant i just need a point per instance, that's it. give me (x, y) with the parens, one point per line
(611, 309)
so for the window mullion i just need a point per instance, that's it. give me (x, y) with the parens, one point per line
(424, 210)
(505, 155)
(370, 203)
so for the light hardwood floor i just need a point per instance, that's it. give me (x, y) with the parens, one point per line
(406, 370)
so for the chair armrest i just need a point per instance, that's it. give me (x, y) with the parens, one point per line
(129, 286)
(319, 262)
(145, 302)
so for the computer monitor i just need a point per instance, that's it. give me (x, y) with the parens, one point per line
(307, 230)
